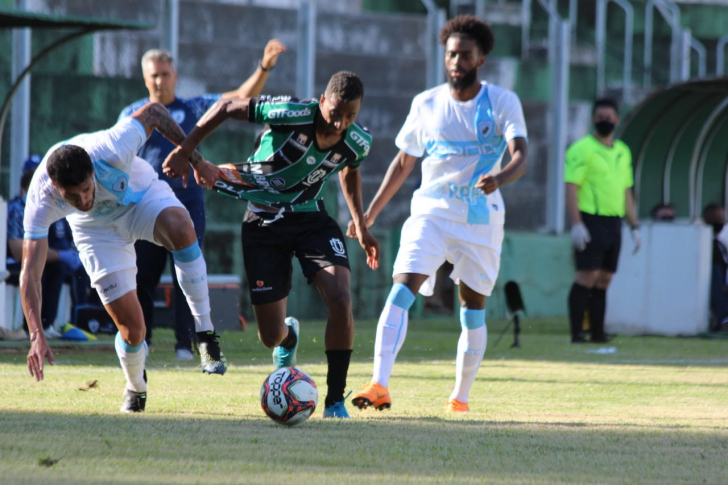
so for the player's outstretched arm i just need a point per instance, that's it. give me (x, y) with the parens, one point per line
(518, 148)
(235, 108)
(34, 260)
(253, 86)
(154, 116)
(397, 173)
(350, 179)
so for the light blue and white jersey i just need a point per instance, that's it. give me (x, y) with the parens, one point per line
(121, 179)
(462, 140)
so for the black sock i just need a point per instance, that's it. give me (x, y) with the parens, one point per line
(578, 303)
(290, 341)
(336, 377)
(597, 308)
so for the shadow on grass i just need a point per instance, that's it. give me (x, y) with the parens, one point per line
(251, 449)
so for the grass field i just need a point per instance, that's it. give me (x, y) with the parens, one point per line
(655, 410)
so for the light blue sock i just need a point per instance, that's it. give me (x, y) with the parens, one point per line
(391, 332)
(132, 359)
(471, 347)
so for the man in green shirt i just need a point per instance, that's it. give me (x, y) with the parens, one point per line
(598, 195)
(302, 144)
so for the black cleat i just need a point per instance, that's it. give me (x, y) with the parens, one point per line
(212, 360)
(134, 402)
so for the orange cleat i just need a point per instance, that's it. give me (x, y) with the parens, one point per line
(455, 406)
(373, 394)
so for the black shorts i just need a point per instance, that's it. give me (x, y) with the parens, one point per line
(268, 249)
(602, 252)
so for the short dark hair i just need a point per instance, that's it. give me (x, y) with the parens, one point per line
(25, 179)
(471, 27)
(605, 103)
(69, 166)
(346, 85)
(709, 212)
(657, 208)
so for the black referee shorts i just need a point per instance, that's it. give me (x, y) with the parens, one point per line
(269, 246)
(602, 252)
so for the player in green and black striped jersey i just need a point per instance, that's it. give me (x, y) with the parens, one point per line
(302, 144)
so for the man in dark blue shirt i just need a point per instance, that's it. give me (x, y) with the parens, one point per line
(63, 263)
(160, 78)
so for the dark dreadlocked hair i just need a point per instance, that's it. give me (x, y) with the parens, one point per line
(470, 27)
(346, 85)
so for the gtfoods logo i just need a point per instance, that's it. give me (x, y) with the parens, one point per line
(288, 113)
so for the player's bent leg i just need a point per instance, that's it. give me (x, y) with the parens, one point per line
(278, 332)
(391, 332)
(174, 230)
(333, 282)
(130, 345)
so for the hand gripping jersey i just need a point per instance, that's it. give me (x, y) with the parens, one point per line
(121, 179)
(287, 170)
(463, 140)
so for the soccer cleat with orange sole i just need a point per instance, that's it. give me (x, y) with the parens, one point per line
(455, 406)
(373, 394)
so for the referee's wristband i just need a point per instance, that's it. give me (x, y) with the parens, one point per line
(264, 69)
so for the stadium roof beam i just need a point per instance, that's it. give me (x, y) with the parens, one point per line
(16, 19)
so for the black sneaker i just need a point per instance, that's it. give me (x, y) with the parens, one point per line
(134, 402)
(212, 360)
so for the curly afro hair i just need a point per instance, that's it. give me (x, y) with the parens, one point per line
(470, 27)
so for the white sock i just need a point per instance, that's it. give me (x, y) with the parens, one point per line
(191, 270)
(132, 359)
(391, 332)
(471, 347)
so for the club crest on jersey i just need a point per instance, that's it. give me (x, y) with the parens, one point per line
(278, 182)
(338, 246)
(301, 139)
(178, 115)
(315, 176)
(120, 184)
(485, 128)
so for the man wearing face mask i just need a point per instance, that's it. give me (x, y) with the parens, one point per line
(599, 184)
(714, 215)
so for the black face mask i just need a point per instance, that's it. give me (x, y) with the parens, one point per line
(717, 228)
(604, 127)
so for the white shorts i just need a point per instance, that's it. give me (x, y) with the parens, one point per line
(107, 249)
(473, 249)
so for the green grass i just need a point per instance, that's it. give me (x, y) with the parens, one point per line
(656, 411)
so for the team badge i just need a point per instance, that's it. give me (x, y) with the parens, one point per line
(336, 157)
(485, 128)
(302, 139)
(338, 246)
(178, 115)
(120, 184)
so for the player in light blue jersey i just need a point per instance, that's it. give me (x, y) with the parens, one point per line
(464, 128)
(110, 197)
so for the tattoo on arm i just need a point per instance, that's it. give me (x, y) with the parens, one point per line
(155, 116)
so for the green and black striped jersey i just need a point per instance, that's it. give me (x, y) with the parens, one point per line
(287, 169)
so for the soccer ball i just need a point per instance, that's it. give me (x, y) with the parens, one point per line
(288, 396)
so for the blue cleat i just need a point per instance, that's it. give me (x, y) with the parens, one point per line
(336, 410)
(283, 357)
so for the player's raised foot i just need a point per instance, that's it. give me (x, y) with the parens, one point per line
(211, 358)
(372, 394)
(455, 406)
(283, 357)
(134, 402)
(336, 410)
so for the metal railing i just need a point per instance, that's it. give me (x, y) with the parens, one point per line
(601, 38)
(720, 56)
(671, 13)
